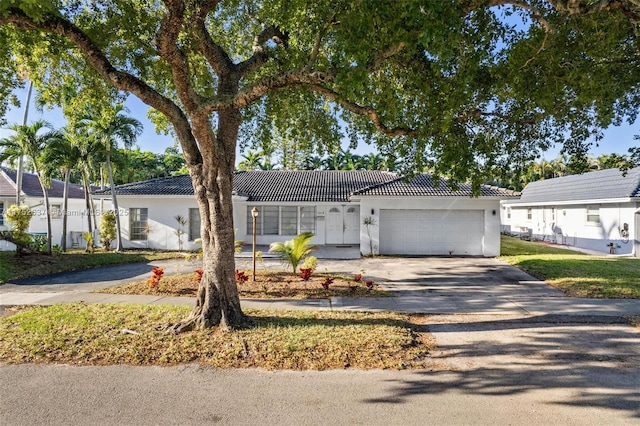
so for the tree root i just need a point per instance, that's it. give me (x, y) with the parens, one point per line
(194, 323)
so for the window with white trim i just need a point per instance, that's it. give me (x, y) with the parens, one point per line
(508, 212)
(1, 213)
(288, 220)
(529, 213)
(56, 211)
(553, 214)
(593, 214)
(138, 221)
(308, 219)
(194, 224)
(282, 220)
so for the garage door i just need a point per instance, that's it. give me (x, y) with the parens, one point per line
(431, 232)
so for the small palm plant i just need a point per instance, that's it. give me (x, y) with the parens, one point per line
(294, 251)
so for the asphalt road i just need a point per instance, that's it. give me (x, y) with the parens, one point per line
(189, 395)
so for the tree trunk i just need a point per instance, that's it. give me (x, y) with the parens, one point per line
(114, 200)
(45, 193)
(218, 301)
(87, 202)
(65, 207)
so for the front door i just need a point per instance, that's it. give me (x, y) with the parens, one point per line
(343, 225)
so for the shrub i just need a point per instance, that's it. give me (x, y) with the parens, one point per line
(305, 273)
(369, 284)
(88, 238)
(108, 229)
(357, 277)
(198, 276)
(310, 262)
(241, 277)
(294, 251)
(156, 276)
(327, 282)
(19, 218)
(38, 243)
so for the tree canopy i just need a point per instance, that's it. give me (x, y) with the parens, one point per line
(460, 86)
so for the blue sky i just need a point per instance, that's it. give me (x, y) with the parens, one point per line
(616, 139)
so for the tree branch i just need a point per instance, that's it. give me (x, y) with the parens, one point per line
(260, 88)
(477, 113)
(118, 79)
(382, 56)
(366, 111)
(167, 43)
(213, 53)
(260, 53)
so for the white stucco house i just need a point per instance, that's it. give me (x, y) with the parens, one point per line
(421, 217)
(31, 195)
(597, 211)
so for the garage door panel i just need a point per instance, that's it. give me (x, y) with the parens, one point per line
(431, 232)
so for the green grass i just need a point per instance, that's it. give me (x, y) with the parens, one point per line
(13, 267)
(575, 273)
(128, 334)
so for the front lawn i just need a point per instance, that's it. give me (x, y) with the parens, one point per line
(575, 273)
(127, 334)
(13, 267)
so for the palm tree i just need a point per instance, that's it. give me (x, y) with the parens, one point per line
(107, 130)
(294, 251)
(372, 161)
(252, 161)
(62, 154)
(313, 162)
(30, 141)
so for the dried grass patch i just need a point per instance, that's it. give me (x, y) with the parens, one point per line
(127, 334)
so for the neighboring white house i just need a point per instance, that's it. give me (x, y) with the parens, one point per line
(597, 211)
(31, 196)
(420, 218)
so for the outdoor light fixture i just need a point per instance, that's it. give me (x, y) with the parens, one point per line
(493, 212)
(373, 211)
(254, 215)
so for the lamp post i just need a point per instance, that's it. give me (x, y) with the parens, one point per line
(254, 215)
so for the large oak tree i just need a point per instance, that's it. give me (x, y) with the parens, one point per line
(463, 87)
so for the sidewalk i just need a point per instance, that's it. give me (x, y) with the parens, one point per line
(437, 305)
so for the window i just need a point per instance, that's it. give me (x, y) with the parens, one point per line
(284, 220)
(508, 212)
(308, 219)
(529, 214)
(553, 214)
(1, 214)
(194, 224)
(56, 211)
(270, 218)
(593, 214)
(289, 220)
(138, 220)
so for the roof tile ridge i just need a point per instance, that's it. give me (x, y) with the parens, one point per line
(376, 185)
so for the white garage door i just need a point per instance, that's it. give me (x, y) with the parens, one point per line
(435, 232)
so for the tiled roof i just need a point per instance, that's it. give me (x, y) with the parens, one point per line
(426, 185)
(172, 185)
(306, 185)
(271, 185)
(311, 186)
(31, 186)
(600, 185)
